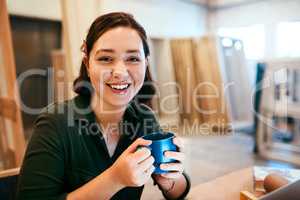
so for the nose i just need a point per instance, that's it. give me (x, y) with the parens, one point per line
(120, 70)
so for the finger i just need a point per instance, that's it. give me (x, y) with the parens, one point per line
(138, 142)
(148, 172)
(179, 143)
(172, 175)
(179, 156)
(175, 167)
(141, 154)
(144, 176)
(146, 164)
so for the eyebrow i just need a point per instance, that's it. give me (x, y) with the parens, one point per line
(112, 51)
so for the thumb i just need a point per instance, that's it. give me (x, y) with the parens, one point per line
(138, 142)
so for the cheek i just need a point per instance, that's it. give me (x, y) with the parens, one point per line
(98, 75)
(138, 76)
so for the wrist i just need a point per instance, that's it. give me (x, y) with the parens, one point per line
(165, 184)
(115, 179)
(170, 187)
(179, 190)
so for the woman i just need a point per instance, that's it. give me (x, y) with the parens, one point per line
(86, 148)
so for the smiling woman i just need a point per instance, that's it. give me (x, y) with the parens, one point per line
(133, 44)
(116, 66)
(89, 147)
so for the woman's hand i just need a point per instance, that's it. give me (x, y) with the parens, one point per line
(134, 166)
(176, 168)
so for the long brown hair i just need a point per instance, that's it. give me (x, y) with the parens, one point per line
(82, 84)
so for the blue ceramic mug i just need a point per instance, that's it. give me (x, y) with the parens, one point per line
(161, 142)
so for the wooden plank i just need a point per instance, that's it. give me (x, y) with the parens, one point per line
(245, 195)
(227, 187)
(11, 89)
(3, 143)
(182, 54)
(271, 107)
(161, 64)
(210, 87)
(9, 172)
(60, 76)
(8, 108)
(236, 77)
(7, 155)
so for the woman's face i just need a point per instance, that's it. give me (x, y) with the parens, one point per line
(117, 66)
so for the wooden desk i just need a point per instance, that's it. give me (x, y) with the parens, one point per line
(227, 187)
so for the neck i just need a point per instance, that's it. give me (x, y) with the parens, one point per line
(106, 114)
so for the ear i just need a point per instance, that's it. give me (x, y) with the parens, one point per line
(85, 61)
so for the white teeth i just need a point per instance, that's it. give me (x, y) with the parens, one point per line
(119, 87)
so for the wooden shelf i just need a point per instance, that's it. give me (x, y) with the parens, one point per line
(271, 107)
(281, 109)
(283, 146)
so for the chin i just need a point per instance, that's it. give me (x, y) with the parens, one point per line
(118, 101)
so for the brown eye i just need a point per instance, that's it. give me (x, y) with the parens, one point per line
(105, 59)
(133, 59)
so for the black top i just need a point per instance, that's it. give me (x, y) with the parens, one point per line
(67, 150)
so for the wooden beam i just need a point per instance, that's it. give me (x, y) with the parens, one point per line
(7, 63)
(60, 75)
(182, 55)
(208, 76)
(8, 108)
(161, 55)
(9, 172)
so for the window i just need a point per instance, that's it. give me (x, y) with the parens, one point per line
(287, 39)
(253, 38)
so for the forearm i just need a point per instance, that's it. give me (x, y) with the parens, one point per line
(102, 187)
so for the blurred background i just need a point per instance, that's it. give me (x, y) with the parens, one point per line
(235, 64)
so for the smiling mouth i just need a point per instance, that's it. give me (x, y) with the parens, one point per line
(119, 87)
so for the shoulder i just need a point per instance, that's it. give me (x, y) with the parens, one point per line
(67, 111)
(52, 127)
(55, 120)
